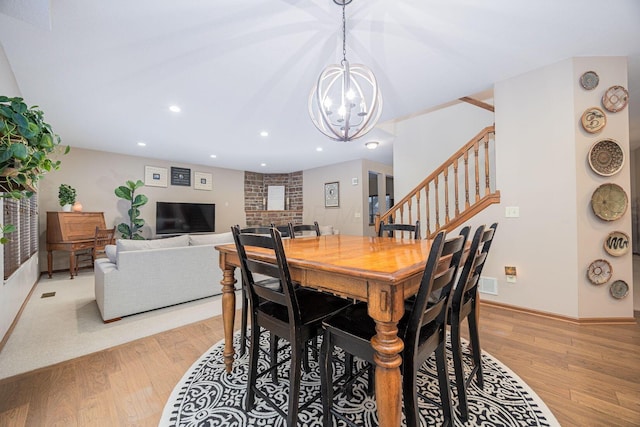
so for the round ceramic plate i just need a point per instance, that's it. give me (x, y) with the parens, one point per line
(609, 202)
(599, 272)
(615, 99)
(593, 120)
(606, 157)
(619, 289)
(589, 80)
(616, 243)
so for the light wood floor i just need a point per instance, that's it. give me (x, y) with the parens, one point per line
(587, 375)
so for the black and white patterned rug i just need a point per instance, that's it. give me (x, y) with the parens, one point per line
(208, 396)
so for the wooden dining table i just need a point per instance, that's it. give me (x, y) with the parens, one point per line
(381, 271)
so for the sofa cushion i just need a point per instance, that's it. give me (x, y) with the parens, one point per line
(210, 239)
(110, 252)
(137, 245)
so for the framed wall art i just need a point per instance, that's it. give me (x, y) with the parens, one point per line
(332, 195)
(155, 177)
(202, 181)
(181, 176)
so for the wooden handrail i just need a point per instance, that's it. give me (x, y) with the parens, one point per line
(434, 192)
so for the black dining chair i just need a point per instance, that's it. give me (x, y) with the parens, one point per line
(422, 328)
(464, 305)
(292, 312)
(390, 229)
(244, 341)
(284, 230)
(299, 229)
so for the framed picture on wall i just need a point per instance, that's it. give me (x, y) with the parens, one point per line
(202, 181)
(332, 195)
(181, 176)
(155, 177)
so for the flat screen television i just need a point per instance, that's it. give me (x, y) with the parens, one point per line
(181, 218)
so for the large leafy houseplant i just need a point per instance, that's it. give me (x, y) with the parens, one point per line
(26, 142)
(128, 192)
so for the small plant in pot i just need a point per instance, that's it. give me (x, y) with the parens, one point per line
(66, 196)
(128, 192)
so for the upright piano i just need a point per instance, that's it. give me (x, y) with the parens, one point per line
(71, 232)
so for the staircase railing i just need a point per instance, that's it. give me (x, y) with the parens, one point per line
(436, 201)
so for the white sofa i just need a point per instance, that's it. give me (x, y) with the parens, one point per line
(142, 275)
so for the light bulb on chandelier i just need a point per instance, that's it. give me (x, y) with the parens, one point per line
(354, 87)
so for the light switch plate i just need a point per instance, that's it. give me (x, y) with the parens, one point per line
(512, 212)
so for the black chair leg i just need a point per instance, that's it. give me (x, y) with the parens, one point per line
(475, 345)
(273, 352)
(243, 326)
(253, 363)
(456, 349)
(372, 380)
(348, 374)
(326, 378)
(294, 382)
(409, 393)
(305, 357)
(443, 381)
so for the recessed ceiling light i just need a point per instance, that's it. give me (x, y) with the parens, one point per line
(142, 144)
(213, 156)
(372, 145)
(319, 149)
(264, 133)
(174, 108)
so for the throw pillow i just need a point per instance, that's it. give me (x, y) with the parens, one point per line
(137, 245)
(210, 239)
(110, 252)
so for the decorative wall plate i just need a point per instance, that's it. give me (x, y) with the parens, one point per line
(606, 157)
(593, 120)
(617, 243)
(589, 80)
(615, 99)
(619, 289)
(609, 202)
(599, 272)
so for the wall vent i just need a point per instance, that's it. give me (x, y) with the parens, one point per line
(488, 285)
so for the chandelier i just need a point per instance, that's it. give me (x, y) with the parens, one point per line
(346, 102)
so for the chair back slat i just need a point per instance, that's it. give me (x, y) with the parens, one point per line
(285, 295)
(429, 309)
(470, 275)
(299, 229)
(390, 229)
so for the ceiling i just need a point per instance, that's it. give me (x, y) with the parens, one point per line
(105, 72)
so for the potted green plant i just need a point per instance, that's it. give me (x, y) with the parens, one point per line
(66, 197)
(26, 143)
(127, 192)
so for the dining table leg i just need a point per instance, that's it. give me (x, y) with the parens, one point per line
(388, 346)
(386, 308)
(228, 314)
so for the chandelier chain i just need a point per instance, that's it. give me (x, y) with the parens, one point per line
(344, 34)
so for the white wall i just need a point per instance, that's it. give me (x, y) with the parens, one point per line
(96, 174)
(351, 216)
(15, 290)
(423, 142)
(541, 158)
